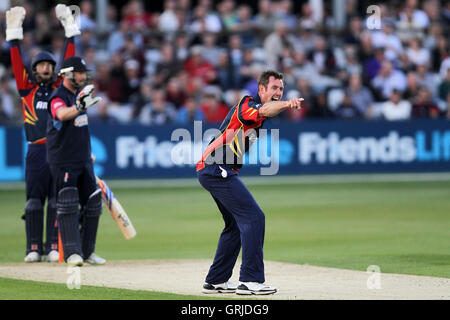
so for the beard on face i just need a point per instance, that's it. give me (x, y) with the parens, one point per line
(44, 77)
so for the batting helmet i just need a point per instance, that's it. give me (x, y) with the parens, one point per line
(73, 64)
(42, 56)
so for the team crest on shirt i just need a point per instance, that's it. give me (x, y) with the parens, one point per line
(81, 120)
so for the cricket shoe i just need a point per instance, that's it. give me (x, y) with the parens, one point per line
(95, 259)
(75, 260)
(249, 288)
(226, 287)
(53, 256)
(33, 256)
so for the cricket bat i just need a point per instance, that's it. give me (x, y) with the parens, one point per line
(117, 212)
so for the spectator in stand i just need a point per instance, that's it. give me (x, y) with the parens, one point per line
(213, 109)
(360, 96)
(8, 101)
(159, 111)
(210, 50)
(100, 114)
(319, 107)
(90, 58)
(389, 79)
(5, 57)
(86, 40)
(448, 106)
(205, 20)
(43, 33)
(424, 107)
(189, 112)
(227, 13)
(174, 93)
(102, 80)
(353, 34)
(365, 48)
(388, 39)
(168, 66)
(181, 47)
(307, 19)
(227, 76)
(304, 40)
(131, 52)
(444, 87)
(141, 98)
(4, 120)
(168, 21)
(116, 40)
(300, 114)
(135, 16)
(439, 53)
(417, 18)
(132, 80)
(445, 65)
(373, 64)
(427, 79)
(322, 57)
(351, 64)
(244, 25)
(117, 76)
(236, 54)
(396, 108)
(87, 16)
(274, 44)
(412, 87)
(347, 110)
(197, 66)
(265, 19)
(283, 12)
(416, 54)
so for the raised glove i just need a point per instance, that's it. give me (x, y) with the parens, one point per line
(64, 14)
(85, 99)
(14, 20)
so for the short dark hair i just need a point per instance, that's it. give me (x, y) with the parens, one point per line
(265, 76)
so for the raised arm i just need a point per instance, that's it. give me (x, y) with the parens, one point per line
(71, 29)
(14, 33)
(273, 108)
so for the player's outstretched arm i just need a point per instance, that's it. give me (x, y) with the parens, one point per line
(273, 108)
(14, 33)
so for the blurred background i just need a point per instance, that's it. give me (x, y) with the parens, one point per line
(164, 64)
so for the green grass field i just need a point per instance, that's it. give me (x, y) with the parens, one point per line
(403, 227)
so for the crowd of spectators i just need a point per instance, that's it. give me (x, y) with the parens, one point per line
(194, 61)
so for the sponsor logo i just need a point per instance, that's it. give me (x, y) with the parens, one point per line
(41, 105)
(81, 120)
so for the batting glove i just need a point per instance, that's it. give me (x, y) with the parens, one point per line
(14, 20)
(64, 14)
(85, 99)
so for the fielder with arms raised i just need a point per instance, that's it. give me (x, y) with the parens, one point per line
(35, 89)
(69, 156)
(217, 172)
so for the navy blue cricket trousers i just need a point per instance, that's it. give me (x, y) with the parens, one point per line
(244, 226)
